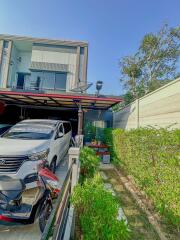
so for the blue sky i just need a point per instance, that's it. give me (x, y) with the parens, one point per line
(113, 28)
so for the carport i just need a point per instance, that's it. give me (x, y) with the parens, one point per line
(65, 106)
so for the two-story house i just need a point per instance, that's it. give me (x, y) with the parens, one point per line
(42, 64)
(43, 78)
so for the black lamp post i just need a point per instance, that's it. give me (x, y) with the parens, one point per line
(99, 85)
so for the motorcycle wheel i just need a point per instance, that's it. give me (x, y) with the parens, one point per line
(44, 215)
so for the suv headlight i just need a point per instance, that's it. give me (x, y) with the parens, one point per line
(39, 155)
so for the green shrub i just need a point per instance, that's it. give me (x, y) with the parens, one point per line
(89, 162)
(97, 210)
(152, 157)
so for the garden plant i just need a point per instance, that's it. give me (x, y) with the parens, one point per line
(97, 210)
(152, 157)
(89, 163)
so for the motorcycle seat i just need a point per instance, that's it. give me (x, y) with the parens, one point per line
(11, 184)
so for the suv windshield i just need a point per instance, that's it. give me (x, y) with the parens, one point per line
(31, 133)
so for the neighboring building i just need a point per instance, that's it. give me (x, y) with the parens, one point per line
(41, 64)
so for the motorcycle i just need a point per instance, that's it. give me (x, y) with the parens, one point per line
(17, 207)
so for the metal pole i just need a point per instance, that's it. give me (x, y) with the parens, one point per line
(138, 125)
(80, 120)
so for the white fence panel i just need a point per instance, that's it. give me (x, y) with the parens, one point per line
(160, 108)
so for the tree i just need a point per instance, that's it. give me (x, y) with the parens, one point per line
(128, 97)
(130, 74)
(153, 65)
(159, 54)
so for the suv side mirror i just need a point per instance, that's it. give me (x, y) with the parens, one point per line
(60, 135)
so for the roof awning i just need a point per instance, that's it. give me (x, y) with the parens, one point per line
(45, 66)
(58, 100)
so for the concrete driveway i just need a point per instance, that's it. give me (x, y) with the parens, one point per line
(29, 232)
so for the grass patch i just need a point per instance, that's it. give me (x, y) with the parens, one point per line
(140, 227)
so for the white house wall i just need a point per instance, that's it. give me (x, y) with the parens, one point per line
(13, 67)
(58, 57)
(20, 62)
(25, 62)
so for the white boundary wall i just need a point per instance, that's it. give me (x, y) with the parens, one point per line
(160, 108)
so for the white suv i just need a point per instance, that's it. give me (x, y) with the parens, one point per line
(27, 143)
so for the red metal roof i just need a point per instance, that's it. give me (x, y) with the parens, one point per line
(65, 100)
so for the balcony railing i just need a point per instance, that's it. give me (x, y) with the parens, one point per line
(31, 86)
(37, 89)
(42, 82)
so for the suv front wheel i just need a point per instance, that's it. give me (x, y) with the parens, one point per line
(53, 165)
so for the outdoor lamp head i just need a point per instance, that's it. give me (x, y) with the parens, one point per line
(99, 85)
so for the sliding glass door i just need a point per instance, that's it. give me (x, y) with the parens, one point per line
(60, 81)
(49, 80)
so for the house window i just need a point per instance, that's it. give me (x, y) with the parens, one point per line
(44, 80)
(48, 80)
(5, 44)
(60, 81)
